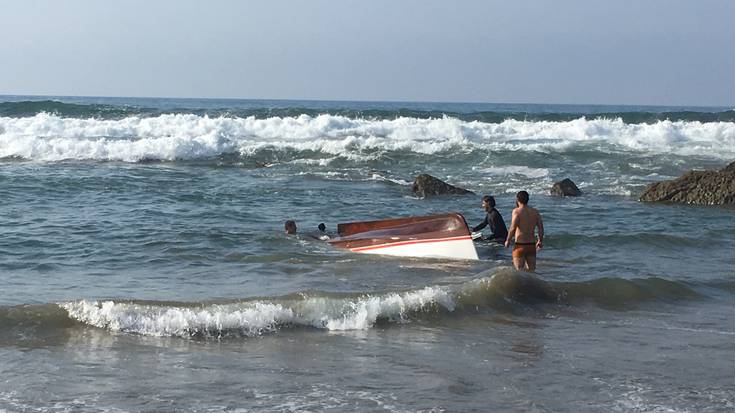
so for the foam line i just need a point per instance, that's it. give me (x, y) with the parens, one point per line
(46, 137)
(255, 318)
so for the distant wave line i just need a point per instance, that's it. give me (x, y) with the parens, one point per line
(147, 108)
(47, 137)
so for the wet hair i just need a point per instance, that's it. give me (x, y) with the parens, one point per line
(290, 227)
(322, 227)
(490, 200)
(522, 197)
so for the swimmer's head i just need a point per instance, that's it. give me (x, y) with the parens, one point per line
(488, 202)
(522, 197)
(290, 227)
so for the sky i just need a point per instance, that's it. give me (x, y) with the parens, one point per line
(658, 52)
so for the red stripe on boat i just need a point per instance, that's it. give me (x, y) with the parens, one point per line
(418, 241)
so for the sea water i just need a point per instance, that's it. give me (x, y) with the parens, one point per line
(144, 266)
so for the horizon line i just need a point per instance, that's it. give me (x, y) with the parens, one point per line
(727, 107)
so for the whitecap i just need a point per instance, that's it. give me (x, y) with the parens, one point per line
(47, 137)
(255, 318)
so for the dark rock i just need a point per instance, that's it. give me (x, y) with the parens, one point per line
(695, 187)
(565, 188)
(426, 185)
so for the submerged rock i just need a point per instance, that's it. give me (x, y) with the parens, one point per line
(695, 187)
(565, 188)
(427, 185)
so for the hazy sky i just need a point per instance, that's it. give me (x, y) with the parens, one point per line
(671, 52)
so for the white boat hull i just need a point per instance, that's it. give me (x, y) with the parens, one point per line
(460, 247)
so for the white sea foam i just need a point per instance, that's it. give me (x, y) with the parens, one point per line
(322, 396)
(515, 170)
(255, 318)
(379, 177)
(313, 162)
(48, 137)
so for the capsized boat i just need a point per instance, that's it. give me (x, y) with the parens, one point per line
(436, 236)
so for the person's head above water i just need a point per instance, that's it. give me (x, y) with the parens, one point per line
(522, 197)
(290, 227)
(322, 227)
(488, 202)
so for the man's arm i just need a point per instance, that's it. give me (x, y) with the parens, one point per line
(540, 225)
(513, 227)
(481, 225)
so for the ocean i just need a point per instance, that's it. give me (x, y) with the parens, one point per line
(144, 266)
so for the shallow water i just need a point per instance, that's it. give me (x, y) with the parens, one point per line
(144, 266)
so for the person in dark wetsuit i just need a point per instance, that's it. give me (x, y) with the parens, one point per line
(494, 219)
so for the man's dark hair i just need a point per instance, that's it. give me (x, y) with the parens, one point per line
(490, 200)
(522, 197)
(322, 227)
(290, 226)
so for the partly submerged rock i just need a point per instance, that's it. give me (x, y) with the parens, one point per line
(427, 185)
(695, 187)
(565, 188)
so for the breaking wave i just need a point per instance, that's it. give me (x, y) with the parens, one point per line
(255, 318)
(506, 291)
(171, 137)
(116, 108)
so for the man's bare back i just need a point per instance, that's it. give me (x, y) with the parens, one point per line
(527, 219)
(524, 221)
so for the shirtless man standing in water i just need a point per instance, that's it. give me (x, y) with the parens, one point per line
(523, 223)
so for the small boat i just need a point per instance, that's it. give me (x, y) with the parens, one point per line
(435, 236)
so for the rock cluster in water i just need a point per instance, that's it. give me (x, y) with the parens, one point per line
(565, 188)
(426, 185)
(695, 187)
